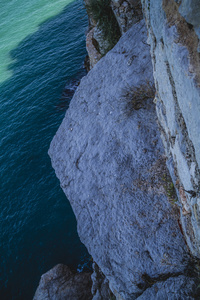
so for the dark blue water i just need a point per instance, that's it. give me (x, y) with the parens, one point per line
(37, 225)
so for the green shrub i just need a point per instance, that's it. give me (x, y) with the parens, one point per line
(169, 188)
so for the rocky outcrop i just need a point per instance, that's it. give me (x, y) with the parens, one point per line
(104, 31)
(110, 162)
(127, 13)
(60, 283)
(190, 10)
(92, 49)
(122, 15)
(165, 289)
(173, 35)
(100, 286)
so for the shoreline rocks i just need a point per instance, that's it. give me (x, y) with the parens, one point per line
(60, 283)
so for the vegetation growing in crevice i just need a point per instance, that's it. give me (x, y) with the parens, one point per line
(169, 188)
(136, 97)
(101, 12)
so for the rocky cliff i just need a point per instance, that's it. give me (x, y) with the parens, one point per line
(176, 61)
(127, 154)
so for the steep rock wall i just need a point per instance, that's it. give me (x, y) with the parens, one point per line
(176, 64)
(126, 12)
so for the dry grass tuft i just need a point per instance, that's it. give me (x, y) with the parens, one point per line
(136, 97)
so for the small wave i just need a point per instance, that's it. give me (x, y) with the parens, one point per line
(68, 92)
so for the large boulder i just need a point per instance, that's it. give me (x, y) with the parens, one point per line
(60, 283)
(110, 161)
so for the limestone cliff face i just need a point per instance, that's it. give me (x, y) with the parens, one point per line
(127, 13)
(111, 152)
(176, 63)
(124, 15)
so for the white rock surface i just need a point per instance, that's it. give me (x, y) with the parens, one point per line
(176, 62)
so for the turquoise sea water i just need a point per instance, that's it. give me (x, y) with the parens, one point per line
(42, 49)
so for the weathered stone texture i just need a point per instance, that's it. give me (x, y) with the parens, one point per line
(176, 63)
(93, 53)
(190, 10)
(110, 162)
(165, 290)
(100, 285)
(103, 44)
(127, 13)
(61, 284)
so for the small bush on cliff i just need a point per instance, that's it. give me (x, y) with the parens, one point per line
(136, 97)
(101, 12)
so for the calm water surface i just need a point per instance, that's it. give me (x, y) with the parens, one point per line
(42, 49)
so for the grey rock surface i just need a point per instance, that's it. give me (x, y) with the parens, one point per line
(110, 161)
(104, 32)
(100, 285)
(94, 55)
(103, 44)
(176, 63)
(61, 284)
(190, 10)
(127, 13)
(165, 290)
